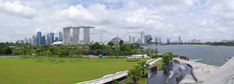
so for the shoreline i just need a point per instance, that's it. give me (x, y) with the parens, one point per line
(201, 71)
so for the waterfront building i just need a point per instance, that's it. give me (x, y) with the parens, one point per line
(194, 41)
(179, 39)
(156, 40)
(66, 34)
(39, 38)
(168, 41)
(148, 37)
(142, 37)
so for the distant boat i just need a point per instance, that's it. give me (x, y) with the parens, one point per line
(229, 58)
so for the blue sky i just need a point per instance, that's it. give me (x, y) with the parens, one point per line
(207, 20)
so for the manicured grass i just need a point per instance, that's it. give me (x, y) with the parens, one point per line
(29, 71)
(140, 81)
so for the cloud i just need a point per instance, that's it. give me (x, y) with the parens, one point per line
(95, 14)
(16, 8)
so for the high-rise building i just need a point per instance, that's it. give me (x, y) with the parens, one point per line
(160, 40)
(179, 39)
(48, 39)
(25, 40)
(43, 40)
(66, 36)
(156, 40)
(130, 39)
(51, 38)
(148, 37)
(56, 39)
(86, 36)
(60, 36)
(39, 38)
(30, 40)
(142, 37)
(168, 41)
(133, 40)
(34, 40)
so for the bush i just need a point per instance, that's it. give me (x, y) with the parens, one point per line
(156, 56)
(133, 60)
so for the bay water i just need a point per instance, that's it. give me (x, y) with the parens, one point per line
(213, 55)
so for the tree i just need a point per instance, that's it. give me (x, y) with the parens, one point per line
(149, 40)
(110, 44)
(135, 73)
(48, 54)
(78, 52)
(60, 53)
(8, 51)
(143, 66)
(167, 57)
(143, 51)
(38, 52)
(71, 54)
(156, 51)
(121, 42)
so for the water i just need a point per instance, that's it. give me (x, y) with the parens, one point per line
(213, 55)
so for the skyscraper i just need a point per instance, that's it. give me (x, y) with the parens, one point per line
(51, 38)
(130, 39)
(39, 38)
(133, 40)
(148, 37)
(168, 41)
(179, 39)
(60, 36)
(56, 39)
(43, 40)
(48, 39)
(34, 40)
(142, 37)
(156, 40)
(25, 40)
(160, 40)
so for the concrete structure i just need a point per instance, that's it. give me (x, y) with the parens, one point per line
(142, 37)
(25, 40)
(66, 34)
(114, 39)
(156, 40)
(48, 39)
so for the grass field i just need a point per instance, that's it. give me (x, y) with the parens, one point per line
(29, 71)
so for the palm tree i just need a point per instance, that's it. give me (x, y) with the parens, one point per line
(135, 73)
(143, 66)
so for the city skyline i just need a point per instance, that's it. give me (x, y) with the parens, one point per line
(206, 20)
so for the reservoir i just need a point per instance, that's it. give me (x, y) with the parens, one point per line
(213, 55)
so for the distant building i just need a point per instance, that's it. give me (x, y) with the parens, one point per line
(160, 40)
(51, 38)
(56, 39)
(130, 39)
(25, 40)
(60, 36)
(142, 37)
(43, 40)
(194, 41)
(34, 40)
(148, 37)
(168, 41)
(48, 39)
(133, 40)
(39, 38)
(179, 39)
(156, 40)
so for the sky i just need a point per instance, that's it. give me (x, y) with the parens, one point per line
(206, 20)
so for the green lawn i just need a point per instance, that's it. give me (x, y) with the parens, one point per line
(28, 71)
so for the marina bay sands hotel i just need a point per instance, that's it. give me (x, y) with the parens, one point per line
(75, 34)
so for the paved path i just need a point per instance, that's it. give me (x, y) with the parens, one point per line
(201, 71)
(8, 56)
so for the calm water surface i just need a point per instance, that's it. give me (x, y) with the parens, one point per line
(214, 55)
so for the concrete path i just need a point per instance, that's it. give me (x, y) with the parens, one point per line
(8, 56)
(201, 71)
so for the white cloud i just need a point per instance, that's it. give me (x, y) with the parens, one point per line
(16, 8)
